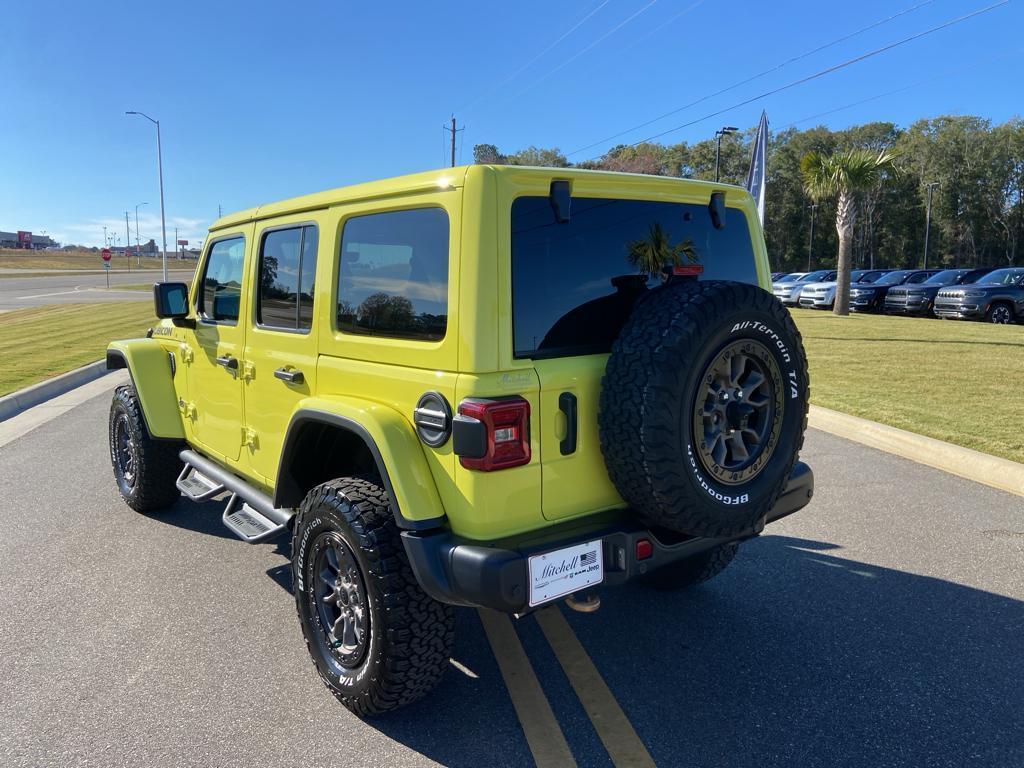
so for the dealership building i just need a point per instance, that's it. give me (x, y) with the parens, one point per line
(23, 239)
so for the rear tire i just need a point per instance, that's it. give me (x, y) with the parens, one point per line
(377, 640)
(693, 570)
(146, 470)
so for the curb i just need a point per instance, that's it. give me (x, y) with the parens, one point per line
(973, 465)
(23, 399)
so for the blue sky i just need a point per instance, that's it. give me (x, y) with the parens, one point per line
(262, 101)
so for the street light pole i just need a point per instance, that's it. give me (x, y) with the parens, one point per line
(928, 219)
(138, 260)
(160, 167)
(810, 240)
(718, 145)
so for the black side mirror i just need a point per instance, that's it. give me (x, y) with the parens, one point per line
(716, 208)
(170, 300)
(560, 196)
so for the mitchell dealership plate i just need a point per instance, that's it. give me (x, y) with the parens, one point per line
(564, 571)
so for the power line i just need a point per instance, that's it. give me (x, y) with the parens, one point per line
(661, 26)
(576, 55)
(759, 75)
(829, 70)
(517, 72)
(875, 97)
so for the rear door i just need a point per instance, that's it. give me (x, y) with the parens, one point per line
(573, 286)
(280, 345)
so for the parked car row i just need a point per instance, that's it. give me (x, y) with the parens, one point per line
(992, 295)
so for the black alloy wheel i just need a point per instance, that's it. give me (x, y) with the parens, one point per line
(737, 416)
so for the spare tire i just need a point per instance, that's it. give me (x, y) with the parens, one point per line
(703, 406)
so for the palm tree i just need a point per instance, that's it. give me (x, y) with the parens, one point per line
(656, 250)
(846, 176)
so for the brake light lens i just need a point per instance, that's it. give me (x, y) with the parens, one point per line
(506, 433)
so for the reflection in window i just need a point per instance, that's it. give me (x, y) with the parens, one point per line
(222, 281)
(287, 270)
(574, 284)
(393, 274)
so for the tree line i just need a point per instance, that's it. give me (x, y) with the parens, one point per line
(976, 170)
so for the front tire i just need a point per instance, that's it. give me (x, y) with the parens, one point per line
(146, 470)
(1001, 314)
(377, 640)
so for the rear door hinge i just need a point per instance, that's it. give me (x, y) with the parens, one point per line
(186, 353)
(249, 438)
(248, 371)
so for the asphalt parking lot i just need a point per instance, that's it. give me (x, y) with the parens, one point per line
(881, 626)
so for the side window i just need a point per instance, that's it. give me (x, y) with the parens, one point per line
(287, 270)
(393, 274)
(221, 288)
(920, 277)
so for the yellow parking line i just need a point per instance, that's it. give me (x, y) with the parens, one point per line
(543, 734)
(613, 727)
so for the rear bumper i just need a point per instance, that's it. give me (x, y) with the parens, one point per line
(495, 575)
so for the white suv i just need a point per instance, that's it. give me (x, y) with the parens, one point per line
(823, 295)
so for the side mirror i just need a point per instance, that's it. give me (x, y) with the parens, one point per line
(170, 300)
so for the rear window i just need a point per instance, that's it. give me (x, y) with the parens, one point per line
(393, 274)
(574, 284)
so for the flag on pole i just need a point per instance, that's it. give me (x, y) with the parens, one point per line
(758, 158)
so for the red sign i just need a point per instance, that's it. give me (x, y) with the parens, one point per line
(183, 242)
(105, 253)
(24, 238)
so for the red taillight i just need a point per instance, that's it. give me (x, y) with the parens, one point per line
(644, 549)
(504, 433)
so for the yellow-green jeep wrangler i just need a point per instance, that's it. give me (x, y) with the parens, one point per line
(484, 386)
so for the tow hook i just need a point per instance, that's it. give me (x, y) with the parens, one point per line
(584, 602)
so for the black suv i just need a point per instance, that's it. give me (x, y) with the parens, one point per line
(871, 298)
(918, 299)
(997, 298)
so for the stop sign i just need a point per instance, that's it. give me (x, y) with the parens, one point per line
(105, 253)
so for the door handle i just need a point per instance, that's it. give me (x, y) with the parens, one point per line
(229, 362)
(292, 377)
(567, 405)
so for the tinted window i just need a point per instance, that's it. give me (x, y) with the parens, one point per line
(920, 277)
(393, 274)
(893, 278)
(222, 281)
(287, 269)
(574, 284)
(946, 277)
(822, 275)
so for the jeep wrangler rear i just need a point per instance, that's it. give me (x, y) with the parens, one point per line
(488, 386)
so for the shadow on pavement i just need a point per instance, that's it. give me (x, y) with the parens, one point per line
(796, 657)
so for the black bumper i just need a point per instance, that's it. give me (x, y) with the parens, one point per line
(472, 573)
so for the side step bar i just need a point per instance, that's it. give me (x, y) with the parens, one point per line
(255, 519)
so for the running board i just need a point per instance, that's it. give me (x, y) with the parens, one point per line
(196, 485)
(248, 524)
(255, 519)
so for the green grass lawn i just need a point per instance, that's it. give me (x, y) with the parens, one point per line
(33, 261)
(951, 380)
(41, 342)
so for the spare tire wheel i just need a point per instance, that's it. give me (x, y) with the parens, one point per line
(703, 406)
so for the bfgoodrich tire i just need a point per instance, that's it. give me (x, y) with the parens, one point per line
(703, 406)
(376, 639)
(146, 470)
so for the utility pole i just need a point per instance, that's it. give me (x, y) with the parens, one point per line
(928, 219)
(220, 212)
(810, 240)
(138, 246)
(105, 243)
(453, 130)
(718, 144)
(127, 241)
